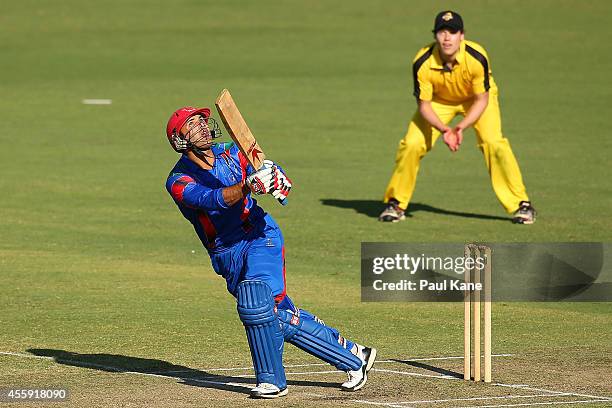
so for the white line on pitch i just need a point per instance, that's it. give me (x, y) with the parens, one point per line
(122, 371)
(318, 372)
(445, 377)
(384, 404)
(8, 353)
(119, 370)
(520, 386)
(211, 369)
(287, 366)
(251, 369)
(185, 378)
(233, 376)
(527, 387)
(218, 382)
(435, 401)
(325, 364)
(97, 101)
(153, 374)
(436, 358)
(538, 403)
(70, 362)
(312, 394)
(378, 403)
(401, 404)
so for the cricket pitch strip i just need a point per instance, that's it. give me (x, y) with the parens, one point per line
(397, 382)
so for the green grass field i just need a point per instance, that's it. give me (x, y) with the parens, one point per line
(100, 273)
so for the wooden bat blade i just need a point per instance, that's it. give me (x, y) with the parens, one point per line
(238, 129)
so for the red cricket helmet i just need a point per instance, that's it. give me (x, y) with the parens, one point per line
(176, 122)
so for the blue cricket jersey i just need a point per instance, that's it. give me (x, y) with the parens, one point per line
(198, 194)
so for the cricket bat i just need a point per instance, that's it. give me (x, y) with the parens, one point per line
(240, 132)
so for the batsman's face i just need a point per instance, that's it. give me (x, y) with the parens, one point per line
(196, 131)
(449, 43)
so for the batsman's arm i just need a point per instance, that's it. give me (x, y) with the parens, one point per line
(185, 190)
(235, 193)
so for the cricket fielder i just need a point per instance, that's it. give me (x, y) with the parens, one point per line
(212, 185)
(452, 76)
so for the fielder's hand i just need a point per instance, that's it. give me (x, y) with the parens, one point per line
(452, 140)
(459, 132)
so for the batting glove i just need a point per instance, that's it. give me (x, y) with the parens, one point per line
(260, 182)
(281, 185)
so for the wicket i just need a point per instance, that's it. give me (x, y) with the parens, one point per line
(472, 317)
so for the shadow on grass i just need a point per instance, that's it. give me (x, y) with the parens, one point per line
(429, 367)
(190, 376)
(373, 208)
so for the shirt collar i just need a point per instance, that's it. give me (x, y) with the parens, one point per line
(190, 165)
(437, 63)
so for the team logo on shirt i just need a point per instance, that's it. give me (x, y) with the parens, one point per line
(448, 16)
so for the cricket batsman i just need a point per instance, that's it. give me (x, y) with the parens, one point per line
(452, 76)
(213, 186)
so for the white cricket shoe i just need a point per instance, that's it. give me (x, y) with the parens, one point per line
(267, 390)
(358, 378)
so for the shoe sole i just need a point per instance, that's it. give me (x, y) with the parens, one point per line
(391, 219)
(368, 366)
(370, 360)
(524, 221)
(281, 393)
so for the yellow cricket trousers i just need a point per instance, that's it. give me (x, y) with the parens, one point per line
(421, 136)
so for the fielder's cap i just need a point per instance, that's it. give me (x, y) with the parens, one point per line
(448, 19)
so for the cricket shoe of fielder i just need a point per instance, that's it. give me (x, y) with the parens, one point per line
(267, 390)
(525, 214)
(392, 213)
(358, 378)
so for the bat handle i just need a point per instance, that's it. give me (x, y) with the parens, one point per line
(283, 201)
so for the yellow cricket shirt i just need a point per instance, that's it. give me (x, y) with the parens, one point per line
(470, 75)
